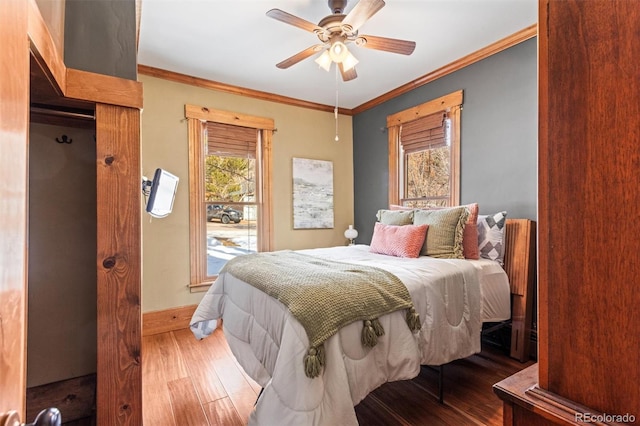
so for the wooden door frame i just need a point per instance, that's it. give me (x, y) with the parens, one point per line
(117, 103)
(14, 133)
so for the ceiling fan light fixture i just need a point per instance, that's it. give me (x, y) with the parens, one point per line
(324, 60)
(349, 62)
(337, 30)
(338, 51)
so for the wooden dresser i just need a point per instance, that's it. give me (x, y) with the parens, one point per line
(588, 225)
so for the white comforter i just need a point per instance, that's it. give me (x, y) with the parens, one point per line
(270, 344)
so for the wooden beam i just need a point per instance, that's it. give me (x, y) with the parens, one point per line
(101, 88)
(119, 254)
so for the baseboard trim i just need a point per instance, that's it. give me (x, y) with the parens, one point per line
(166, 320)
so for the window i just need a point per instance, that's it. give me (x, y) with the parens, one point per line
(229, 189)
(424, 153)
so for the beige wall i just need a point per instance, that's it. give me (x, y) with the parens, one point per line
(62, 254)
(301, 132)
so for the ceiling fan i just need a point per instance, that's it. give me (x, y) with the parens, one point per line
(336, 31)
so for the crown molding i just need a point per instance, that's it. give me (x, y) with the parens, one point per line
(236, 90)
(497, 47)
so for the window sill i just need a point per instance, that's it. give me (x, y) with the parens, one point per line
(199, 288)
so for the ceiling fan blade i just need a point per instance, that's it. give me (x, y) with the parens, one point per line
(290, 19)
(300, 56)
(347, 75)
(392, 45)
(362, 11)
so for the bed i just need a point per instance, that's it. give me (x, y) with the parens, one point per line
(453, 298)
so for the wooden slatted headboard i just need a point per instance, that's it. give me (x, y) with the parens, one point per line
(520, 266)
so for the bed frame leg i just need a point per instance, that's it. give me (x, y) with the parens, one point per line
(441, 384)
(440, 370)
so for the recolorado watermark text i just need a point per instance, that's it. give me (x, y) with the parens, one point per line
(604, 418)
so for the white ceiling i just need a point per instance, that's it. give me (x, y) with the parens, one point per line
(234, 42)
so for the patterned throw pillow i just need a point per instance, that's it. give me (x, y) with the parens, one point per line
(446, 231)
(491, 236)
(399, 241)
(389, 217)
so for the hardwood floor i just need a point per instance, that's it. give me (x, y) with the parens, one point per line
(189, 382)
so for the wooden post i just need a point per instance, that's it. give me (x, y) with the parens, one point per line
(119, 372)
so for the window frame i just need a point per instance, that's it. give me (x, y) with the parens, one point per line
(197, 117)
(452, 104)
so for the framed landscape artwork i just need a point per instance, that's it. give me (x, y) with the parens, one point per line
(312, 194)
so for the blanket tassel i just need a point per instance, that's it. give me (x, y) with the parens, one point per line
(377, 327)
(313, 361)
(371, 331)
(413, 319)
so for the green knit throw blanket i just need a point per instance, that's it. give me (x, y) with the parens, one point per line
(325, 295)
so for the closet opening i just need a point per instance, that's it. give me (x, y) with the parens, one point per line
(62, 281)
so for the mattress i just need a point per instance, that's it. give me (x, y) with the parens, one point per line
(495, 292)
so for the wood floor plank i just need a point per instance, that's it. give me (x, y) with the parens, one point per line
(372, 412)
(167, 357)
(238, 386)
(221, 350)
(221, 412)
(188, 379)
(156, 403)
(199, 360)
(414, 407)
(187, 408)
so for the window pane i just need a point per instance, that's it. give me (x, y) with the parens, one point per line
(229, 179)
(428, 175)
(426, 203)
(227, 238)
(231, 209)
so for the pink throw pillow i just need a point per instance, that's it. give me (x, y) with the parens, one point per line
(470, 234)
(399, 241)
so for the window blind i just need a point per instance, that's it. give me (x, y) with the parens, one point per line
(227, 140)
(424, 133)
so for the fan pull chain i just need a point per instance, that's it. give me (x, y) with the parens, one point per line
(335, 110)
